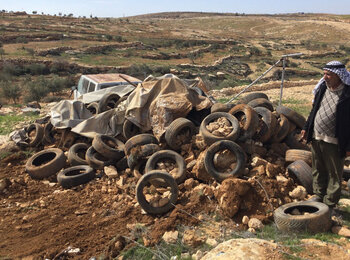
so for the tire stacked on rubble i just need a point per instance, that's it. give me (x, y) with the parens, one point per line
(210, 138)
(146, 180)
(139, 148)
(180, 173)
(303, 216)
(35, 134)
(180, 127)
(105, 150)
(248, 120)
(45, 163)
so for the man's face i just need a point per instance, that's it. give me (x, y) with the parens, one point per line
(332, 79)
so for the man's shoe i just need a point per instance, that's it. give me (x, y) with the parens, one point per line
(315, 199)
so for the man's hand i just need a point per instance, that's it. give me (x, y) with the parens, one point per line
(303, 135)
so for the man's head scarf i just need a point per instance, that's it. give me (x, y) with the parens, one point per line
(337, 68)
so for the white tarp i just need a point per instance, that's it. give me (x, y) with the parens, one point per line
(95, 96)
(69, 113)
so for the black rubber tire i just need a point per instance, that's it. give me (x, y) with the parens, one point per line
(74, 154)
(122, 164)
(144, 180)
(210, 138)
(318, 219)
(144, 151)
(303, 173)
(221, 107)
(293, 155)
(49, 133)
(120, 100)
(107, 102)
(177, 127)
(219, 146)
(130, 129)
(93, 108)
(140, 139)
(251, 96)
(293, 143)
(114, 151)
(292, 115)
(38, 134)
(76, 175)
(261, 102)
(268, 124)
(96, 160)
(45, 163)
(171, 155)
(282, 129)
(248, 120)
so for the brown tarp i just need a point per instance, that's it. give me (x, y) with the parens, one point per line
(155, 103)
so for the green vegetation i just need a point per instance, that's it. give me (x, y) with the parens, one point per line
(301, 106)
(292, 241)
(9, 121)
(161, 251)
(9, 90)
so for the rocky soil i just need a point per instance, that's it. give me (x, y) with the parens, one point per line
(102, 219)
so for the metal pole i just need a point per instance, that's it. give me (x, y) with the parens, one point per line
(282, 80)
(274, 65)
(251, 84)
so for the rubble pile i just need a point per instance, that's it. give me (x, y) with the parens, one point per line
(229, 160)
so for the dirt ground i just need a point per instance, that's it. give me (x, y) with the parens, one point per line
(40, 219)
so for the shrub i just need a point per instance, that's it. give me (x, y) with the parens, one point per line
(12, 69)
(118, 38)
(36, 69)
(56, 84)
(36, 90)
(162, 70)
(5, 76)
(60, 66)
(30, 51)
(109, 37)
(10, 91)
(21, 39)
(141, 71)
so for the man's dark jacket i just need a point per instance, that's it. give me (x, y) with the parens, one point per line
(342, 126)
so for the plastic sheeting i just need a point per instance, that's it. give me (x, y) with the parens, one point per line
(155, 103)
(69, 113)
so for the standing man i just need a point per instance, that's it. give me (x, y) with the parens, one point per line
(328, 130)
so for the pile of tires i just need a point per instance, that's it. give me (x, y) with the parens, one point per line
(253, 121)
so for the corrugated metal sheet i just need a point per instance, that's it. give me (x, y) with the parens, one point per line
(111, 77)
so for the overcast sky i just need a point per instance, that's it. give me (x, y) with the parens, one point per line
(120, 8)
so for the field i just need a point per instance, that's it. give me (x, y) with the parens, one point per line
(42, 56)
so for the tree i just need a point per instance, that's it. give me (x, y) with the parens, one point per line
(10, 91)
(34, 12)
(194, 55)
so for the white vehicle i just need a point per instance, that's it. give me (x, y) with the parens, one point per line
(93, 86)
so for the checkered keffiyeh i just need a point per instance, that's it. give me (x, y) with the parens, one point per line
(337, 68)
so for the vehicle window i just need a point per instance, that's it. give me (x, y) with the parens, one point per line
(92, 87)
(107, 85)
(83, 85)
